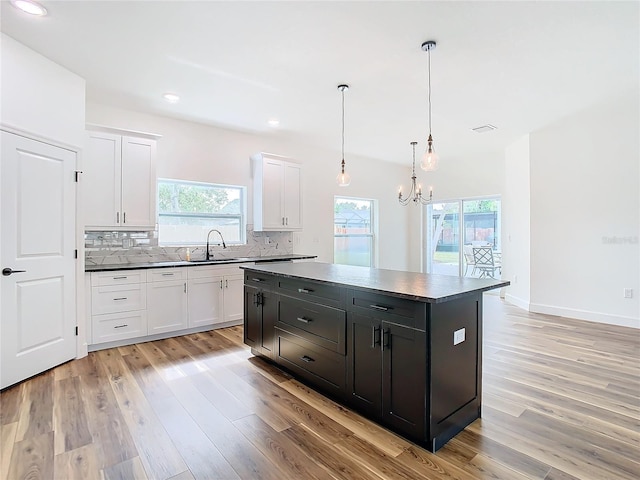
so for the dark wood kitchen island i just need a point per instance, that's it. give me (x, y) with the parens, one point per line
(402, 348)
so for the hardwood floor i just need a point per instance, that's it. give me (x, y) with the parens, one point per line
(561, 400)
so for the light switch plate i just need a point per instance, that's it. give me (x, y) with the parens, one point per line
(458, 336)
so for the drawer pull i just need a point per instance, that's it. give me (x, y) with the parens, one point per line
(120, 298)
(168, 274)
(121, 326)
(303, 320)
(256, 280)
(304, 290)
(120, 278)
(307, 359)
(380, 307)
(386, 338)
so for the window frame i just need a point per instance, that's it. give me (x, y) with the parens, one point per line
(372, 227)
(242, 216)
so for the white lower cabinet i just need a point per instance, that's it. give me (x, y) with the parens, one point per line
(129, 304)
(166, 300)
(118, 306)
(215, 295)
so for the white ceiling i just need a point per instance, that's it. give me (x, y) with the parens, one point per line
(516, 65)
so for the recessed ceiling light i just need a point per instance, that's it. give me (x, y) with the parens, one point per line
(30, 7)
(274, 122)
(484, 128)
(171, 97)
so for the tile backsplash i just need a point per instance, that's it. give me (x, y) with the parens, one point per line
(108, 248)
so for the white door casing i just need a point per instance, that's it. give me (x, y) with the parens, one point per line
(38, 218)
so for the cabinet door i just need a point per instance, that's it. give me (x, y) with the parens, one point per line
(365, 363)
(166, 306)
(252, 317)
(233, 298)
(205, 301)
(403, 378)
(272, 197)
(292, 196)
(138, 183)
(101, 180)
(260, 315)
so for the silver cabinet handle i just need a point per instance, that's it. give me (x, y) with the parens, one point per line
(185, 287)
(304, 290)
(307, 359)
(124, 217)
(226, 284)
(121, 326)
(117, 217)
(168, 274)
(221, 284)
(120, 298)
(256, 280)
(303, 320)
(379, 307)
(120, 278)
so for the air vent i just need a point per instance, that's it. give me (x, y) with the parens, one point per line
(484, 128)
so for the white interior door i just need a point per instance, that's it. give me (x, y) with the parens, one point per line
(37, 243)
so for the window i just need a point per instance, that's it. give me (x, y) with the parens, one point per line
(188, 210)
(452, 237)
(353, 242)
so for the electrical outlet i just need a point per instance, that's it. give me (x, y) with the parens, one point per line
(628, 293)
(267, 240)
(458, 336)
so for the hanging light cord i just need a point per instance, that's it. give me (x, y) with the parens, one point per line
(429, 86)
(342, 89)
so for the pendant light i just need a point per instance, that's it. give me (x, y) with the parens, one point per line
(430, 159)
(343, 178)
(415, 194)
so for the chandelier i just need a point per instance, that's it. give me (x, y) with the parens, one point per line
(415, 193)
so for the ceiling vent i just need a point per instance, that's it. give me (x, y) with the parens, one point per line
(484, 128)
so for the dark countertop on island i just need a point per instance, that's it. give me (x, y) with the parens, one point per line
(184, 263)
(429, 288)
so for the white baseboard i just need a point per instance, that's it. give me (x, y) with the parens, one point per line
(518, 302)
(585, 315)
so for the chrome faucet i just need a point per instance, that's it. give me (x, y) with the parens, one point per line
(207, 255)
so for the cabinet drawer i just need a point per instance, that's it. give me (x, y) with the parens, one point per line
(315, 363)
(256, 279)
(119, 298)
(392, 309)
(325, 326)
(118, 326)
(166, 274)
(119, 277)
(312, 291)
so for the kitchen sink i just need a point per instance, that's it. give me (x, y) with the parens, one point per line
(219, 260)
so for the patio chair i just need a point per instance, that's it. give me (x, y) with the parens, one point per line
(484, 262)
(468, 259)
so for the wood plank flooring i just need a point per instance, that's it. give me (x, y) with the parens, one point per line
(561, 400)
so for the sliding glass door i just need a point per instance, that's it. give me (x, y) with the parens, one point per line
(474, 253)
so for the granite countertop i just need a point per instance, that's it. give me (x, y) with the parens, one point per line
(184, 263)
(422, 287)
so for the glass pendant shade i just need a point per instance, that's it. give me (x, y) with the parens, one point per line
(430, 160)
(343, 179)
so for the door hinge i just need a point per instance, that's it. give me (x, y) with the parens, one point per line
(76, 330)
(75, 253)
(78, 172)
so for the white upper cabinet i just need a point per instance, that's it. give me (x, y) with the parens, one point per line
(119, 182)
(277, 193)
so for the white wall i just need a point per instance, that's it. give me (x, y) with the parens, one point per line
(516, 231)
(192, 151)
(39, 96)
(584, 193)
